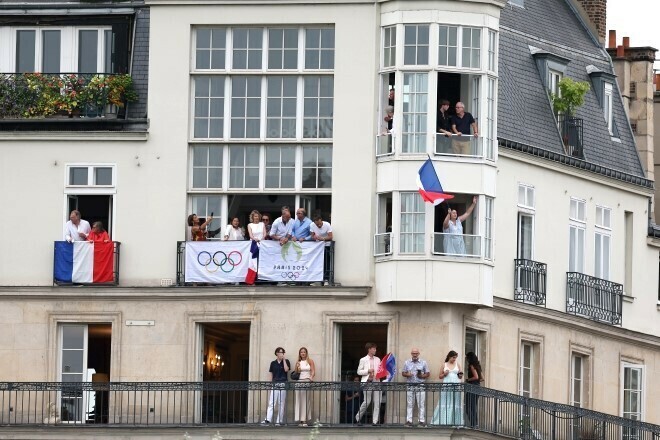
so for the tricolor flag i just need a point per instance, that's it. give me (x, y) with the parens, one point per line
(83, 262)
(387, 368)
(251, 276)
(429, 184)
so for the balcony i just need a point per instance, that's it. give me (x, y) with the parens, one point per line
(571, 130)
(461, 246)
(594, 298)
(228, 406)
(86, 263)
(529, 280)
(460, 146)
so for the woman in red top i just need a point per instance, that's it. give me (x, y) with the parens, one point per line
(197, 231)
(98, 233)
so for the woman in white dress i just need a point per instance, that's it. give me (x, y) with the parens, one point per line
(256, 228)
(453, 229)
(449, 410)
(303, 408)
(234, 230)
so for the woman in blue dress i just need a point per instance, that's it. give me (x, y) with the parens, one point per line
(453, 229)
(449, 410)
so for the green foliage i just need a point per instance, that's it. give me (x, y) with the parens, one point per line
(570, 97)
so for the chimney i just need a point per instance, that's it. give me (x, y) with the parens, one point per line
(620, 51)
(597, 12)
(626, 42)
(612, 42)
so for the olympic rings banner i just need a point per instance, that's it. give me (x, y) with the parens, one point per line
(217, 261)
(291, 262)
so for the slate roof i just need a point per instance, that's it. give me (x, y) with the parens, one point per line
(524, 111)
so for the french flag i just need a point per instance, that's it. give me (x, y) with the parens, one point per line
(387, 368)
(429, 184)
(83, 262)
(251, 276)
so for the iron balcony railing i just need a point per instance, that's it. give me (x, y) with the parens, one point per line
(157, 404)
(328, 267)
(529, 279)
(594, 298)
(457, 245)
(69, 270)
(459, 145)
(571, 129)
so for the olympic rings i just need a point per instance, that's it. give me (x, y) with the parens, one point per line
(290, 275)
(232, 260)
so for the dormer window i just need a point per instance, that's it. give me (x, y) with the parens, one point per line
(603, 85)
(607, 105)
(552, 68)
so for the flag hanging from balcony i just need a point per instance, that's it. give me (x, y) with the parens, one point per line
(83, 262)
(387, 368)
(217, 262)
(251, 276)
(429, 185)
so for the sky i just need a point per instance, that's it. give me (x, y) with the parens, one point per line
(637, 19)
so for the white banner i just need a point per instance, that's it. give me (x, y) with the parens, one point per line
(217, 261)
(291, 262)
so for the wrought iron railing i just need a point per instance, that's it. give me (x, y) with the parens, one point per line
(529, 279)
(80, 273)
(457, 245)
(168, 404)
(328, 267)
(459, 145)
(594, 298)
(571, 129)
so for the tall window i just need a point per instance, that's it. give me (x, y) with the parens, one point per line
(317, 167)
(318, 93)
(283, 48)
(602, 242)
(243, 166)
(577, 228)
(471, 47)
(415, 103)
(416, 45)
(206, 166)
(247, 48)
(320, 49)
(526, 375)
(488, 228)
(209, 107)
(607, 107)
(245, 106)
(389, 46)
(492, 52)
(281, 107)
(210, 48)
(448, 46)
(490, 120)
(412, 223)
(526, 211)
(577, 380)
(632, 395)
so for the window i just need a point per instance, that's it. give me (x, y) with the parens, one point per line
(519, 3)
(490, 120)
(209, 107)
(577, 228)
(415, 97)
(526, 374)
(51, 53)
(526, 196)
(602, 243)
(488, 229)
(317, 167)
(389, 46)
(320, 49)
(492, 52)
(206, 167)
(632, 394)
(416, 45)
(280, 167)
(607, 106)
(412, 223)
(628, 253)
(471, 47)
(318, 106)
(525, 236)
(245, 106)
(283, 49)
(210, 46)
(448, 46)
(577, 380)
(243, 166)
(281, 107)
(247, 48)
(554, 77)
(204, 205)
(90, 175)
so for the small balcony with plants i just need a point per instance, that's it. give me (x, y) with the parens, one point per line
(569, 97)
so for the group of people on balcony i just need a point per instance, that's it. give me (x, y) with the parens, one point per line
(77, 229)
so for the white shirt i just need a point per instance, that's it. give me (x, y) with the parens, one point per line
(234, 233)
(258, 230)
(322, 231)
(71, 231)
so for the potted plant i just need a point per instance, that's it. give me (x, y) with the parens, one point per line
(119, 91)
(570, 98)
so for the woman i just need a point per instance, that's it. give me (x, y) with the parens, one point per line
(256, 229)
(449, 410)
(474, 377)
(303, 409)
(98, 233)
(453, 229)
(234, 231)
(197, 231)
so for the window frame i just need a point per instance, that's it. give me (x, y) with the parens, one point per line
(471, 49)
(489, 222)
(389, 46)
(608, 105)
(91, 175)
(642, 388)
(579, 225)
(415, 136)
(581, 380)
(418, 203)
(416, 46)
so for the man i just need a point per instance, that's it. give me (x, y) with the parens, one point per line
(461, 123)
(443, 120)
(300, 231)
(76, 229)
(282, 226)
(367, 369)
(265, 218)
(322, 231)
(416, 371)
(278, 375)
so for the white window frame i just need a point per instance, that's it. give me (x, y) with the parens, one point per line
(279, 168)
(389, 46)
(554, 76)
(281, 51)
(489, 212)
(490, 138)
(467, 64)
(526, 390)
(602, 234)
(577, 383)
(60, 364)
(412, 232)
(413, 96)
(577, 223)
(417, 47)
(642, 388)
(248, 49)
(444, 61)
(608, 99)
(207, 168)
(91, 175)
(320, 49)
(492, 51)
(211, 49)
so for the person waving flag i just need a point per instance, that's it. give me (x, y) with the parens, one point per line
(429, 185)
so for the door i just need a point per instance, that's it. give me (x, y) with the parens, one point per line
(73, 370)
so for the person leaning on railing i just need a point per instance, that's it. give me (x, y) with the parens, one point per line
(461, 123)
(453, 229)
(98, 234)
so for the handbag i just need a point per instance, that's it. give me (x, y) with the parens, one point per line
(295, 375)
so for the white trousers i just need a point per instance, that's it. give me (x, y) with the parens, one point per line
(418, 394)
(276, 396)
(369, 395)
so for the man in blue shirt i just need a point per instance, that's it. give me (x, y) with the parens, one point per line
(301, 226)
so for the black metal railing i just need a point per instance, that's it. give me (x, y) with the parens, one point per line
(328, 267)
(38, 95)
(170, 404)
(571, 129)
(529, 280)
(594, 298)
(62, 263)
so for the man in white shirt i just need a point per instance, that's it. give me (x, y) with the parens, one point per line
(321, 231)
(368, 368)
(76, 229)
(282, 227)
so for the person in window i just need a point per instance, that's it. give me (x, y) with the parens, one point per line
(461, 123)
(444, 119)
(265, 218)
(453, 229)
(300, 231)
(389, 117)
(197, 231)
(98, 234)
(233, 231)
(256, 229)
(282, 227)
(76, 229)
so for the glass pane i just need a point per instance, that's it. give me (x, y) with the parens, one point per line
(327, 59)
(108, 51)
(202, 59)
(309, 177)
(252, 156)
(272, 178)
(312, 38)
(325, 156)
(78, 176)
(325, 179)
(288, 156)
(423, 35)
(200, 156)
(103, 176)
(409, 55)
(328, 38)
(215, 179)
(215, 156)
(51, 52)
(199, 177)
(201, 87)
(218, 59)
(275, 38)
(252, 177)
(309, 156)
(236, 156)
(88, 51)
(219, 38)
(216, 128)
(236, 178)
(312, 59)
(240, 38)
(272, 157)
(240, 59)
(72, 361)
(73, 336)
(201, 129)
(290, 59)
(217, 108)
(288, 177)
(203, 38)
(25, 51)
(254, 59)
